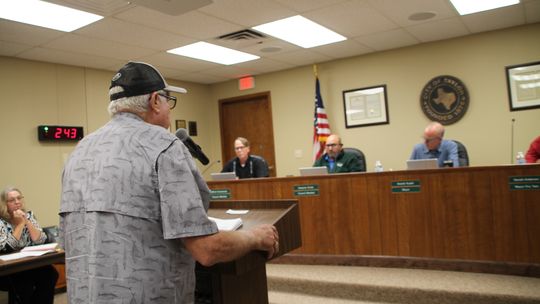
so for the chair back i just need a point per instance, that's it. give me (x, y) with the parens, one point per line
(360, 155)
(463, 156)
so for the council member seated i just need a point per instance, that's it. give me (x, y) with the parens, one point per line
(434, 146)
(337, 160)
(18, 229)
(245, 165)
(533, 154)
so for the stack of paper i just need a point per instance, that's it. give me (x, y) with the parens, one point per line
(29, 251)
(227, 224)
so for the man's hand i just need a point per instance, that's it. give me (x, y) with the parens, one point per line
(268, 239)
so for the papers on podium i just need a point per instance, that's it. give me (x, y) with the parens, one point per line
(29, 251)
(227, 224)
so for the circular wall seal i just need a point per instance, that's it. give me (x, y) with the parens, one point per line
(444, 99)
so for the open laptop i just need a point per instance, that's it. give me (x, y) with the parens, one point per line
(223, 176)
(419, 164)
(308, 171)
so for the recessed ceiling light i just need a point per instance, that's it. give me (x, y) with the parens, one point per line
(46, 14)
(421, 16)
(465, 7)
(213, 53)
(300, 31)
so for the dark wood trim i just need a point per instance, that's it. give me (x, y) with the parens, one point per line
(506, 268)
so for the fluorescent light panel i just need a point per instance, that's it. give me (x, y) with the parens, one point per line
(465, 7)
(213, 53)
(46, 14)
(300, 31)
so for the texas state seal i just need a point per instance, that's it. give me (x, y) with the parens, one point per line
(444, 99)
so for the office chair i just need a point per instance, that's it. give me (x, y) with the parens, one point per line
(463, 156)
(360, 155)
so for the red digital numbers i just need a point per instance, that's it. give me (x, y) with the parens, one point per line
(65, 133)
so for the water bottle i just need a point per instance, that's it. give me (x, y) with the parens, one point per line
(520, 158)
(378, 166)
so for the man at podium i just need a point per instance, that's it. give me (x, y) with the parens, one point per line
(133, 213)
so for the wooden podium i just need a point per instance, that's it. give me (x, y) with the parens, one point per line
(243, 281)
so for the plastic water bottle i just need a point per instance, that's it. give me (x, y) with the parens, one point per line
(378, 166)
(520, 158)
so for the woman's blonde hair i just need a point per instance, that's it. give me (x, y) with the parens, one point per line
(4, 214)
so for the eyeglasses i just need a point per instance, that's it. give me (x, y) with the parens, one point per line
(13, 199)
(332, 145)
(239, 148)
(171, 100)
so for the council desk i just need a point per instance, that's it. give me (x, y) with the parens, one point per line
(473, 213)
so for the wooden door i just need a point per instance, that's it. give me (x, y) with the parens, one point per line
(248, 116)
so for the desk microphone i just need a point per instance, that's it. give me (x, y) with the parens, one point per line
(211, 164)
(512, 142)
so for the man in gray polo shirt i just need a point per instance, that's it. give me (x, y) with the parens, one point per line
(133, 208)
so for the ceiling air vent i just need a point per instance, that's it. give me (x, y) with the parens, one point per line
(242, 35)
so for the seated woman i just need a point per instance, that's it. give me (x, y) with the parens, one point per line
(18, 229)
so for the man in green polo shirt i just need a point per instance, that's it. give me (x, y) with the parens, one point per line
(337, 160)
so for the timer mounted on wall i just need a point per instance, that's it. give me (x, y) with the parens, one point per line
(59, 133)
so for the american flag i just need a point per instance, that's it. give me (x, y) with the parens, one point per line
(321, 128)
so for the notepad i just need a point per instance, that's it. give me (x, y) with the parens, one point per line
(227, 224)
(30, 251)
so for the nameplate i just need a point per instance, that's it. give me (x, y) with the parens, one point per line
(220, 194)
(306, 190)
(410, 186)
(524, 182)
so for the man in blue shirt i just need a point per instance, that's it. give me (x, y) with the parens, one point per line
(435, 146)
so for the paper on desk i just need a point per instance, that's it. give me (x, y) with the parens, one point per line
(227, 224)
(232, 211)
(30, 251)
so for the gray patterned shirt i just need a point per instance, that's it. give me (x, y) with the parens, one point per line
(130, 192)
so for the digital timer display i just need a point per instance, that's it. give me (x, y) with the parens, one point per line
(60, 133)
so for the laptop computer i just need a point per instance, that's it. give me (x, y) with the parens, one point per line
(223, 176)
(308, 171)
(419, 164)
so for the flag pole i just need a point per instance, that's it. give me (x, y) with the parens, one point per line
(315, 70)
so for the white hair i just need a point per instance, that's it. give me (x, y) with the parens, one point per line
(137, 104)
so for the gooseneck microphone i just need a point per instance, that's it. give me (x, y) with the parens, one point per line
(512, 142)
(193, 148)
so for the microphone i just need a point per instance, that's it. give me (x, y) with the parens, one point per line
(193, 148)
(512, 142)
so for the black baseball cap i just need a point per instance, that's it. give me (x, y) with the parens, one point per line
(139, 78)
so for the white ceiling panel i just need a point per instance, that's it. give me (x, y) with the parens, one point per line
(26, 34)
(399, 11)
(532, 11)
(12, 48)
(248, 13)
(347, 48)
(301, 57)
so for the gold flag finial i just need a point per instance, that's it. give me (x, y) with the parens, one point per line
(315, 70)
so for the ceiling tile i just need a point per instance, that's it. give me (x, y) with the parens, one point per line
(179, 62)
(388, 40)
(26, 34)
(342, 49)
(91, 46)
(351, 19)
(193, 24)
(308, 5)
(438, 30)
(132, 34)
(301, 57)
(248, 13)
(532, 11)
(495, 19)
(12, 48)
(57, 56)
(399, 11)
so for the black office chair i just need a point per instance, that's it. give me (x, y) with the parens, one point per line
(52, 234)
(463, 156)
(360, 155)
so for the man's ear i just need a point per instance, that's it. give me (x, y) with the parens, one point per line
(153, 102)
